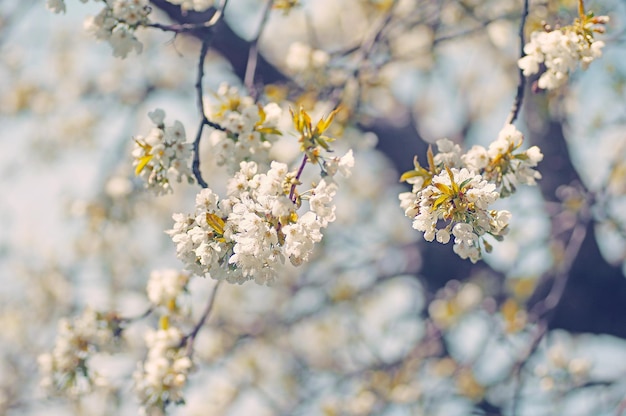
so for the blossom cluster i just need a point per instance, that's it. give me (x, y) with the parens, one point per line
(302, 57)
(165, 288)
(454, 301)
(248, 129)
(559, 51)
(66, 368)
(247, 235)
(501, 164)
(560, 371)
(452, 198)
(116, 23)
(162, 154)
(160, 379)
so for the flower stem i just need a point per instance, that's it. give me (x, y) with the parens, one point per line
(292, 191)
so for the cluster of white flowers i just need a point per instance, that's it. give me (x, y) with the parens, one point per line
(66, 368)
(558, 371)
(165, 287)
(164, 152)
(498, 163)
(453, 196)
(454, 301)
(249, 129)
(116, 23)
(559, 51)
(301, 58)
(195, 5)
(160, 379)
(461, 200)
(248, 234)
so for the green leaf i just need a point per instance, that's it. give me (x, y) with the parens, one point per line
(269, 130)
(445, 189)
(455, 186)
(215, 222)
(465, 182)
(143, 161)
(409, 174)
(439, 201)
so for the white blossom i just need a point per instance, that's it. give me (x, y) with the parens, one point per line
(449, 153)
(165, 286)
(513, 169)
(321, 201)
(301, 57)
(123, 42)
(559, 51)
(66, 368)
(466, 243)
(456, 201)
(162, 155)
(301, 236)
(476, 158)
(248, 235)
(160, 379)
(250, 130)
(116, 23)
(343, 165)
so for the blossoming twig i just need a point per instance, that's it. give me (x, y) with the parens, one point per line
(195, 166)
(292, 190)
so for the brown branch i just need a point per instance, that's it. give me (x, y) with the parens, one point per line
(195, 166)
(191, 337)
(521, 87)
(470, 31)
(204, 30)
(292, 191)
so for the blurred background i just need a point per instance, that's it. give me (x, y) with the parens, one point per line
(380, 322)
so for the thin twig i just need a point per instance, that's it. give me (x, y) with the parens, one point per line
(253, 53)
(470, 31)
(365, 49)
(538, 335)
(553, 298)
(205, 31)
(521, 87)
(127, 320)
(292, 191)
(204, 50)
(190, 338)
(542, 310)
(195, 166)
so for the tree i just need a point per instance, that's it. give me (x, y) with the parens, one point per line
(282, 136)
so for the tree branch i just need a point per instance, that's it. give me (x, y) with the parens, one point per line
(195, 166)
(191, 337)
(521, 87)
